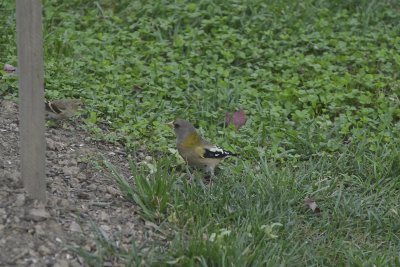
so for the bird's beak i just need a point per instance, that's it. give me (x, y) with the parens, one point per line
(171, 124)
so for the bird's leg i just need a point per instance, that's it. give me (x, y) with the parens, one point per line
(191, 177)
(210, 175)
(210, 170)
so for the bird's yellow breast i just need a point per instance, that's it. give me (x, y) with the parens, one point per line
(191, 141)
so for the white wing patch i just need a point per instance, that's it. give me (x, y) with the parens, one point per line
(216, 149)
(217, 152)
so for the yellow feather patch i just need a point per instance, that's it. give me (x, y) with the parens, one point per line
(200, 151)
(193, 140)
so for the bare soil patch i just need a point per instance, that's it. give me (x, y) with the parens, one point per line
(80, 195)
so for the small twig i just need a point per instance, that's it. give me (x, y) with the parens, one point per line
(100, 204)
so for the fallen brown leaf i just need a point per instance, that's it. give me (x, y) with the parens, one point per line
(310, 203)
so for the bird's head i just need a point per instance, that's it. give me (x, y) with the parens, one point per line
(182, 128)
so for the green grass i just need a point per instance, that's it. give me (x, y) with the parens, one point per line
(254, 214)
(319, 81)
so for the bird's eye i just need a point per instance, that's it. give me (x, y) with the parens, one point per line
(176, 125)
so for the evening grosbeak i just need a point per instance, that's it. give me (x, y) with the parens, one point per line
(62, 108)
(194, 149)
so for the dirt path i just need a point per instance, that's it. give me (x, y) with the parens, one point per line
(79, 194)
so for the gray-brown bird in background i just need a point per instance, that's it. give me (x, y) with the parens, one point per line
(62, 108)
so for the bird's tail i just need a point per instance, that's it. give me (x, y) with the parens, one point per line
(52, 108)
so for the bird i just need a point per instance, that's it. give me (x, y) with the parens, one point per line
(194, 149)
(62, 108)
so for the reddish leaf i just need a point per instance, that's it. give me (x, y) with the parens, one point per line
(310, 203)
(238, 118)
(9, 68)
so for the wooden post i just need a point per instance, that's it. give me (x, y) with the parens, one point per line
(31, 97)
